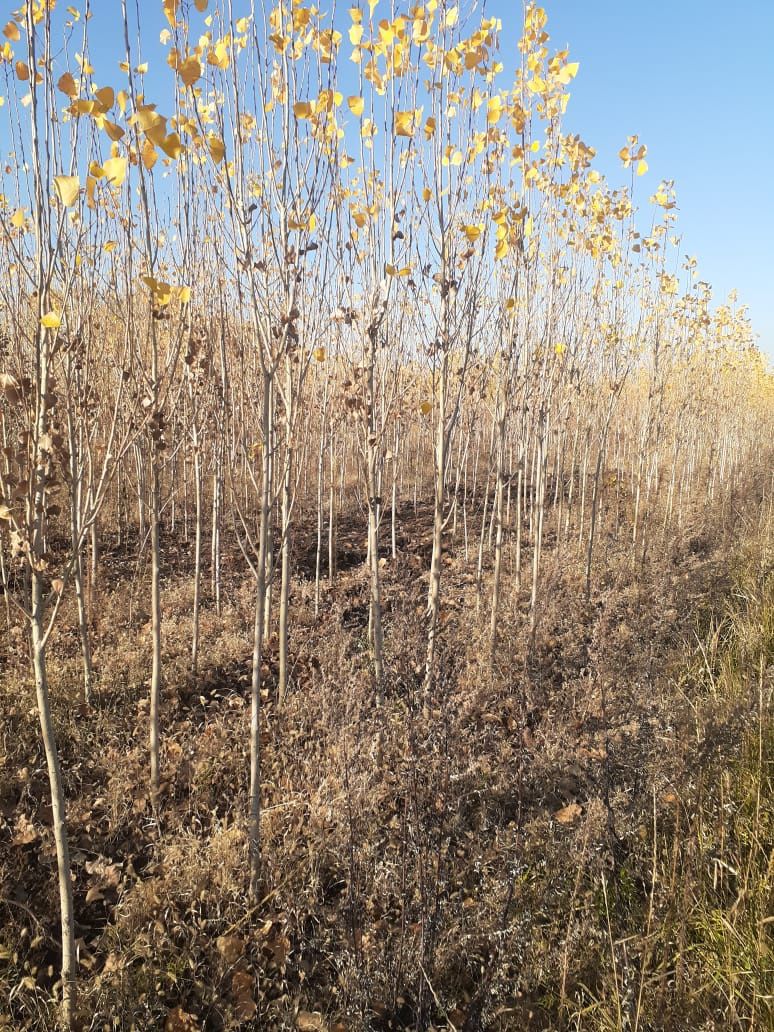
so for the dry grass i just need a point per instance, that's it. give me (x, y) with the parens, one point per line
(577, 838)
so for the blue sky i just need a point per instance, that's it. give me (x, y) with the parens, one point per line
(692, 77)
(695, 80)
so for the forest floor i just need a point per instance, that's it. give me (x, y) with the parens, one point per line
(577, 835)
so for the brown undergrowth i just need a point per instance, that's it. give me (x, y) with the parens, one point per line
(577, 836)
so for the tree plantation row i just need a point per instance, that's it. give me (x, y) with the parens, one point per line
(283, 271)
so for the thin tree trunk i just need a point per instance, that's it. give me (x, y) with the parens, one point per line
(498, 514)
(198, 505)
(64, 876)
(439, 484)
(287, 489)
(155, 689)
(254, 816)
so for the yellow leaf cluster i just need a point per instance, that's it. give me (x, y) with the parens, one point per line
(67, 189)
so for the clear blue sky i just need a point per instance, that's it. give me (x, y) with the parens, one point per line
(695, 80)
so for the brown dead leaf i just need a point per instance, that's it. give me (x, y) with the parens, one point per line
(179, 1020)
(113, 962)
(309, 1021)
(230, 947)
(108, 874)
(243, 989)
(9, 385)
(279, 945)
(25, 831)
(568, 814)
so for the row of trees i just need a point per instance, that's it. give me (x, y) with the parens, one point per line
(351, 268)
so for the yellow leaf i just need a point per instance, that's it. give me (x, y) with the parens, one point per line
(326, 100)
(109, 245)
(404, 123)
(219, 57)
(427, 193)
(51, 320)
(149, 155)
(452, 17)
(356, 105)
(184, 295)
(216, 147)
(642, 167)
(319, 354)
(472, 232)
(568, 73)
(115, 170)
(84, 107)
(170, 10)
(560, 349)
(17, 219)
(162, 292)
(172, 146)
(106, 96)
(494, 110)
(420, 30)
(67, 85)
(426, 408)
(151, 122)
(299, 224)
(113, 131)
(302, 109)
(190, 70)
(67, 188)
